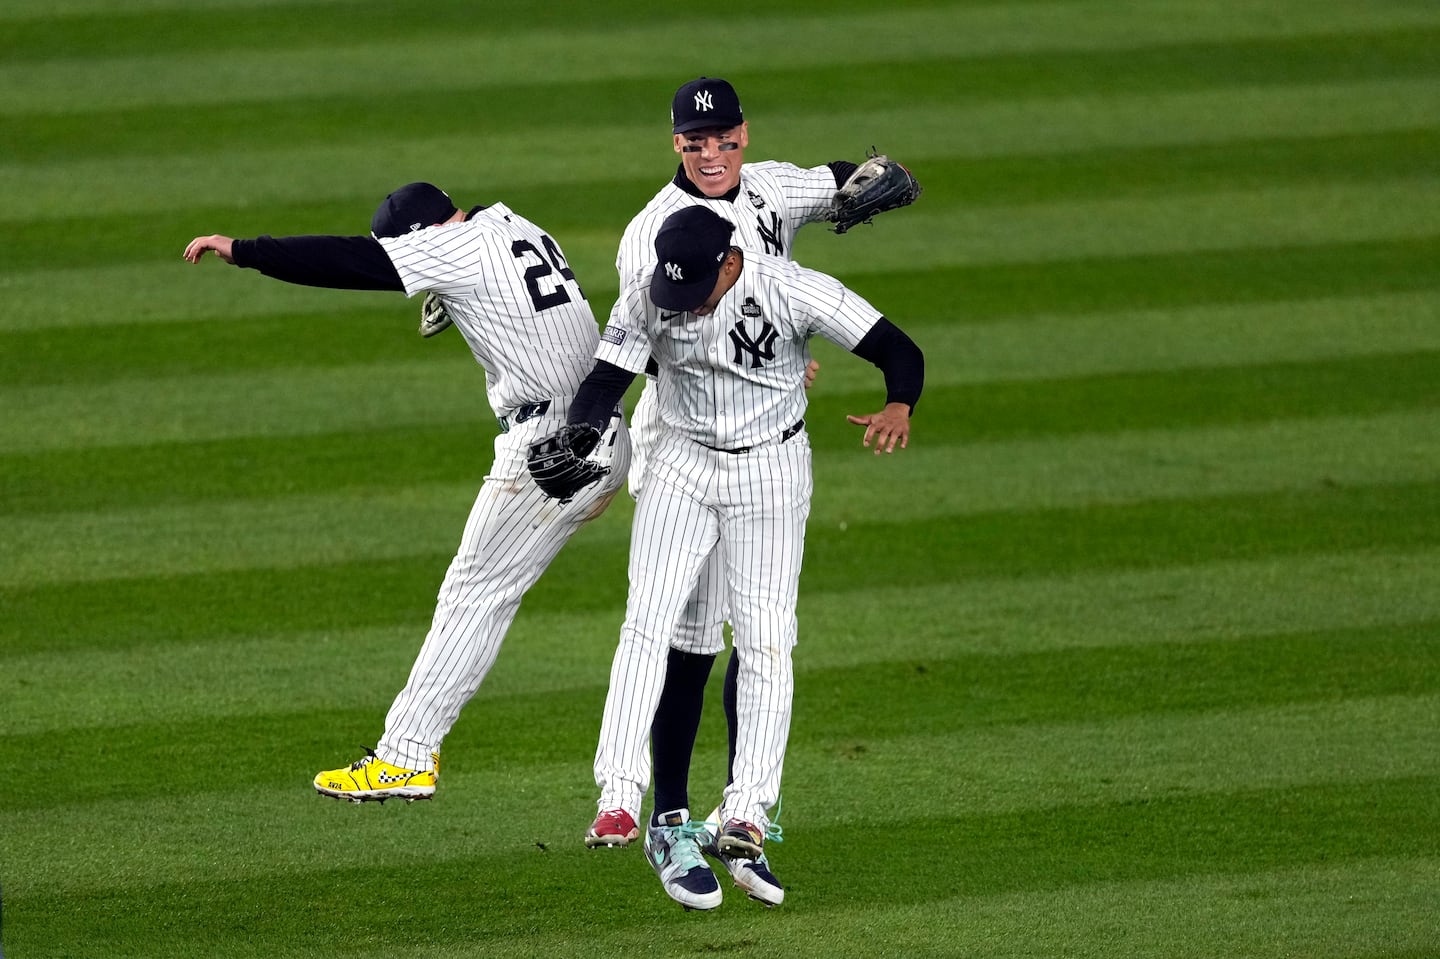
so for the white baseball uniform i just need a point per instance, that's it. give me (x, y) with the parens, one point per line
(774, 200)
(727, 481)
(511, 293)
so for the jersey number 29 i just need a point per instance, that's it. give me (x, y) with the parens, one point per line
(544, 270)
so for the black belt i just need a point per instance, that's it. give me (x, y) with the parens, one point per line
(745, 449)
(522, 413)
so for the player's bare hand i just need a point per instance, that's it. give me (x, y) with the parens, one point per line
(220, 245)
(811, 369)
(885, 428)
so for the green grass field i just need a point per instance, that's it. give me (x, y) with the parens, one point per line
(1134, 653)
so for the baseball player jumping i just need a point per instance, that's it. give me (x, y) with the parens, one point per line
(768, 202)
(506, 285)
(728, 480)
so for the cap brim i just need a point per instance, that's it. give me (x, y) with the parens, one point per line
(707, 123)
(684, 297)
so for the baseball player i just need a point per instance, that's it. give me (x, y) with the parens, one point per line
(506, 285)
(728, 481)
(768, 202)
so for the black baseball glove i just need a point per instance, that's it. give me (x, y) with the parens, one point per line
(877, 185)
(558, 465)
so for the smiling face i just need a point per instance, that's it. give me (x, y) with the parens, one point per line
(712, 157)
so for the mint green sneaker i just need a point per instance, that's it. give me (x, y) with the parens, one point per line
(675, 856)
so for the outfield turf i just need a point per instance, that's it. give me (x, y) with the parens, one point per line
(1134, 653)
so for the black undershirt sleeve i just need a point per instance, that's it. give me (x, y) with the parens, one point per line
(887, 346)
(604, 387)
(842, 170)
(334, 262)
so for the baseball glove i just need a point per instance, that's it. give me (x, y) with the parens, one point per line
(433, 317)
(877, 185)
(558, 465)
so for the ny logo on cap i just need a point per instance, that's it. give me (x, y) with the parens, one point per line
(673, 271)
(703, 101)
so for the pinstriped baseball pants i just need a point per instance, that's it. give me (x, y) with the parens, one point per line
(751, 508)
(513, 533)
(701, 628)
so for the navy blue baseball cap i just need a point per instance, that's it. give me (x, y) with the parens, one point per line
(705, 103)
(412, 207)
(689, 248)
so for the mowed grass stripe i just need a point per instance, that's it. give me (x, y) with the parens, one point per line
(1383, 328)
(90, 26)
(1169, 399)
(256, 66)
(952, 183)
(542, 744)
(442, 54)
(278, 172)
(944, 695)
(1299, 216)
(1094, 469)
(991, 457)
(252, 403)
(1376, 680)
(444, 464)
(1081, 920)
(278, 401)
(306, 531)
(20, 13)
(1073, 416)
(322, 604)
(1184, 168)
(1192, 832)
(1239, 274)
(1059, 346)
(1073, 286)
(1007, 770)
(1273, 338)
(517, 106)
(1007, 767)
(38, 34)
(1147, 535)
(206, 680)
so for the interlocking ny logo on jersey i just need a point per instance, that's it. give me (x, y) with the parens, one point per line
(703, 101)
(771, 234)
(759, 348)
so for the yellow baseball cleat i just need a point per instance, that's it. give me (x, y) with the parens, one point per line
(373, 780)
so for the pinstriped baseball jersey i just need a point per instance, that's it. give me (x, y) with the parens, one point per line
(512, 295)
(775, 200)
(736, 377)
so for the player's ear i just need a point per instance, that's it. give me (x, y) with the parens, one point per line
(744, 138)
(734, 260)
(679, 141)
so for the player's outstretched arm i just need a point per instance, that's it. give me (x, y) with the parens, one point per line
(897, 356)
(221, 245)
(885, 428)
